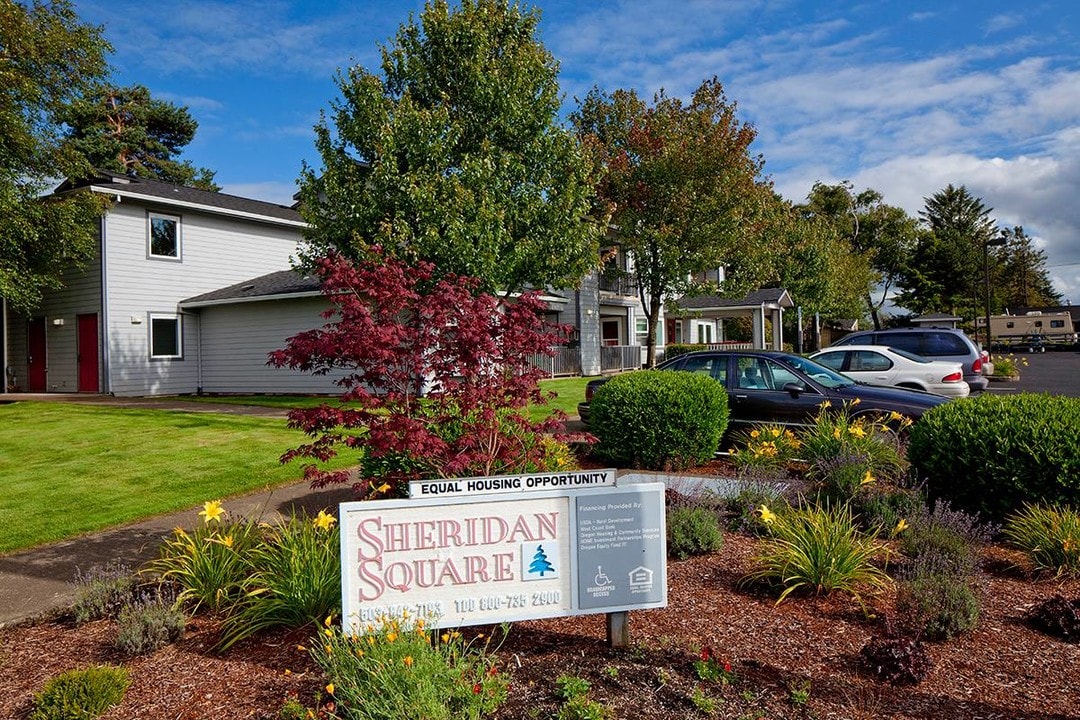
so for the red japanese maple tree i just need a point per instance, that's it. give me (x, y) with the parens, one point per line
(437, 377)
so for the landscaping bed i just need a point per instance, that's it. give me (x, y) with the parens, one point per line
(1002, 669)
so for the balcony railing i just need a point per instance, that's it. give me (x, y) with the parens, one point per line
(618, 284)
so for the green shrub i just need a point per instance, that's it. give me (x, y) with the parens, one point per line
(743, 508)
(993, 453)
(210, 563)
(295, 579)
(818, 549)
(81, 694)
(103, 591)
(1049, 535)
(397, 669)
(658, 419)
(148, 624)
(692, 531)
(937, 606)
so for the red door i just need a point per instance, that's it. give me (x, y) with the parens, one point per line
(35, 360)
(87, 356)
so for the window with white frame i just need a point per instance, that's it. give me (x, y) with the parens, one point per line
(641, 330)
(163, 236)
(166, 337)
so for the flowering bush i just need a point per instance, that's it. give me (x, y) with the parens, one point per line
(843, 447)
(398, 668)
(712, 668)
(211, 562)
(437, 376)
(1007, 365)
(764, 449)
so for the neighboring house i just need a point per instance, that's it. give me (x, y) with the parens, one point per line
(122, 325)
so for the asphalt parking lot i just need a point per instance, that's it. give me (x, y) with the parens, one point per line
(1055, 371)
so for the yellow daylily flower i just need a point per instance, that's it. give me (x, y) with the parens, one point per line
(383, 488)
(227, 541)
(755, 433)
(836, 433)
(211, 511)
(857, 431)
(895, 416)
(324, 520)
(328, 621)
(767, 515)
(408, 661)
(900, 527)
(330, 689)
(856, 401)
(868, 478)
(826, 405)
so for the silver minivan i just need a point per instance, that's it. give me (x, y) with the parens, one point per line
(932, 343)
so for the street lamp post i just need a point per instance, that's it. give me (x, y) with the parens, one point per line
(996, 242)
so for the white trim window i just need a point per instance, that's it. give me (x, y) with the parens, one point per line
(163, 236)
(641, 330)
(166, 337)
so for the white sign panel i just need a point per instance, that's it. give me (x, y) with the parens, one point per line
(500, 484)
(476, 561)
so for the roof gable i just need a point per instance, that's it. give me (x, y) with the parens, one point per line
(182, 196)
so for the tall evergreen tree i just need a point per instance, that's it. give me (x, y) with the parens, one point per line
(1021, 278)
(454, 155)
(127, 131)
(48, 58)
(945, 272)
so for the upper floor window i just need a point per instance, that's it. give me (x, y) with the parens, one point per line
(164, 236)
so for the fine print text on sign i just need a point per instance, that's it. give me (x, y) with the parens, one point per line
(497, 558)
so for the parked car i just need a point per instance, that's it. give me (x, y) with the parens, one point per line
(879, 365)
(931, 343)
(766, 386)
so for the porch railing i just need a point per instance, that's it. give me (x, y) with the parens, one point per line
(565, 361)
(614, 358)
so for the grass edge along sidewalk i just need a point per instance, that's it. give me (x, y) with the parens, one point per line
(70, 469)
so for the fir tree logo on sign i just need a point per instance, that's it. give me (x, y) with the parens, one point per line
(539, 561)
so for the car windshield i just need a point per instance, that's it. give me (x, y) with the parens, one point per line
(827, 377)
(910, 356)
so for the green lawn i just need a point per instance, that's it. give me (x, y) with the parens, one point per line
(68, 469)
(570, 391)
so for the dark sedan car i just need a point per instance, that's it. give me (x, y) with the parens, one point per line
(774, 387)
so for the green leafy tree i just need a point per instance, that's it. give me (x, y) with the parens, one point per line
(48, 58)
(453, 155)
(1020, 275)
(882, 235)
(686, 194)
(127, 131)
(945, 271)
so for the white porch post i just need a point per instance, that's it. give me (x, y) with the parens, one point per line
(758, 323)
(778, 328)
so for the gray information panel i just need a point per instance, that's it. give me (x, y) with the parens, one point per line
(620, 556)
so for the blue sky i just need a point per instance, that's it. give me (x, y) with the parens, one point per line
(903, 97)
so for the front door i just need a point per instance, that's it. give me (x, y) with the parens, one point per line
(36, 379)
(87, 353)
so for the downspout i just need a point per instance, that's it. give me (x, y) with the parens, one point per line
(105, 319)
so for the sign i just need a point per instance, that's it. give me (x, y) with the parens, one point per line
(511, 483)
(461, 560)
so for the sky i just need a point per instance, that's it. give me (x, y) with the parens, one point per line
(901, 97)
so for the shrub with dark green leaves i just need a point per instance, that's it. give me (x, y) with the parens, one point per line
(658, 419)
(81, 694)
(993, 453)
(888, 507)
(693, 531)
